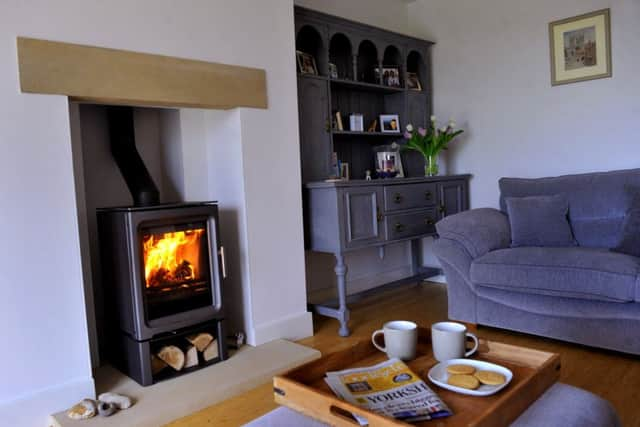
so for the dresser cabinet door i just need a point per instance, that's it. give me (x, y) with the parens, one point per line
(315, 137)
(362, 216)
(452, 197)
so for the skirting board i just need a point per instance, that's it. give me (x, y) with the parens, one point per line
(166, 401)
(33, 410)
(293, 327)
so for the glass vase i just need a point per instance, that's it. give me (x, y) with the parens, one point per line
(431, 165)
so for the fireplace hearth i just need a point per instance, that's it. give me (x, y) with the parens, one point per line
(162, 269)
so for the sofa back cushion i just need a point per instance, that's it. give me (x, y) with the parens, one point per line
(598, 202)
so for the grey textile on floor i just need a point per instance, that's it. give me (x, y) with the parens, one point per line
(561, 406)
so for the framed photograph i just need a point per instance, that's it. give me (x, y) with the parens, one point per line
(356, 122)
(333, 70)
(388, 162)
(413, 82)
(389, 123)
(390, 76)
(306, 63)
(580, 48)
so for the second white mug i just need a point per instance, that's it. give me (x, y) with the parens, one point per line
(449, 339)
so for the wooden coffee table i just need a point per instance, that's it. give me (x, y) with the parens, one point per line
(304, 389)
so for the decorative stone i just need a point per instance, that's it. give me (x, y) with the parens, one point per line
(106, 409)
(120, 401)
(82, 411)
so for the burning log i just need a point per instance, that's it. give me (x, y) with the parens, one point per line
(211, 352)
(173, 356)
(184, 271)
(190, 357)
(201, 340)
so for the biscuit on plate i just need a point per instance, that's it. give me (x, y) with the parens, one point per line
(464, 381)
(461, 369)
(490, 377)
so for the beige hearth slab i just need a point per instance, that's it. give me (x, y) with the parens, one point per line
(164, 402)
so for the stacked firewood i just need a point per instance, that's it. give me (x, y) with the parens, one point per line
(185, 356)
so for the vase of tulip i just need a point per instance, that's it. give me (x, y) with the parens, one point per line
(430, 141)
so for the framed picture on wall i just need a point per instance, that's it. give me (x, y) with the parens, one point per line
(580, 48)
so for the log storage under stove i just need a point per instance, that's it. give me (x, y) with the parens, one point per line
(162, 269)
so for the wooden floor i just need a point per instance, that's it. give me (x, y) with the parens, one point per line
(613, 376)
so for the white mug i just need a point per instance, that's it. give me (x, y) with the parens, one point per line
(400, 339)
(449, 341)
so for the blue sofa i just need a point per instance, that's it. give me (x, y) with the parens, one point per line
(585, 294)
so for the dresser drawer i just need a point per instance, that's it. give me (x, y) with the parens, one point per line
(405, 225)
(409, 196)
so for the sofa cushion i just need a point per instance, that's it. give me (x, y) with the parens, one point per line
(539, 221)
(574, 272)
(630, 239)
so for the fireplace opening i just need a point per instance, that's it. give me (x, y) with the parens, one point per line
(162, 267)
(176, 269)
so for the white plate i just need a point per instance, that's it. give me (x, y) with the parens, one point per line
(439, 375)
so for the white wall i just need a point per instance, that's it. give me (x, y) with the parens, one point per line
(491, 72)
(41, 297)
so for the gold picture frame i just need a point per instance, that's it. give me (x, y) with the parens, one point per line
(580, 48)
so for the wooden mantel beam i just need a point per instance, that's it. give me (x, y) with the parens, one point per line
(111, 76)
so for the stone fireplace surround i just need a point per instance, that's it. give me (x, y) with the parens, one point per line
(43, 290)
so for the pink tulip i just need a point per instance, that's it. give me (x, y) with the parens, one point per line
(422, 131)
(407, 135)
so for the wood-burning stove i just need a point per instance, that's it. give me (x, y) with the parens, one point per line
(162, 267)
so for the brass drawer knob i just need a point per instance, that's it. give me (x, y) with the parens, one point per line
(399, 227)
(429, 221)
(397, 198)
(427, 195)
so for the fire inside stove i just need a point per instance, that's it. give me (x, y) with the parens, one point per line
(174, 259)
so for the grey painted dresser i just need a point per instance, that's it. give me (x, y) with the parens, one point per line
(344, 216)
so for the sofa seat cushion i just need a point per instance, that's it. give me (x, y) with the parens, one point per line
(574, 272)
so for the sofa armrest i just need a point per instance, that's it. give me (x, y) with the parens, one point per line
(478, 230)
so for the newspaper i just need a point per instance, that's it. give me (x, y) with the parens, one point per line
(388, 388)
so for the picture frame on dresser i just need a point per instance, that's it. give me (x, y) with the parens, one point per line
(389, 123)
(306, 63)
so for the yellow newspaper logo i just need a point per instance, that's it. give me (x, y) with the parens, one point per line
(382, 379)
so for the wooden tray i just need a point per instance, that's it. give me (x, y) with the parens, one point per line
(304, 390)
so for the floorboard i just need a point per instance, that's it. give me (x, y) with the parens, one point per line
(613, 376)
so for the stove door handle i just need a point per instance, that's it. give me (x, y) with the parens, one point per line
(223, 262)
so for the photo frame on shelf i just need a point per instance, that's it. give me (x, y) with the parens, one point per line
(413, 82)
(580, 48)
(388, 161)
(333, 70)
(356, 122)
(306, 63)
(390, 76)
(389, 123)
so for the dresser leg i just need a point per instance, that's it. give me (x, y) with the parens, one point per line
(343, 311)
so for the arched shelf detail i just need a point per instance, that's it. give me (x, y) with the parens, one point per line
(416, 64)
(309, 40)
(341, 54)
(368, 61)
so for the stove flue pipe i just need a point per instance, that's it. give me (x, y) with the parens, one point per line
(123, 148)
